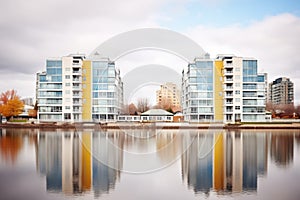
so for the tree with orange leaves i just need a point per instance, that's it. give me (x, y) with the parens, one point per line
(11, 105)
(8, 95)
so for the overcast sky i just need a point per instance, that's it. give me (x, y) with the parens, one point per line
(32, 31)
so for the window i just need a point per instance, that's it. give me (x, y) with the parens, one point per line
(249, 70)
(237, 107)
(249, 94)
(237, 92)
(250, 86)
(237, 100)
(193, 110)
(194, 117)
(67, 84)
(67, 116)
(67, 107)
(67, 91)
(237, 84)
(68, 69)
(67, 76)
(250, 102)
(237, 116)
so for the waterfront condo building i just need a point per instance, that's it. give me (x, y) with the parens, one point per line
(226, 89)
(74, 88)
(281, 91)
(169, 95)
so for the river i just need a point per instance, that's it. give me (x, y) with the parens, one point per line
(149, 164)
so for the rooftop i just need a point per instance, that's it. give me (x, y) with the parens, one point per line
(156, 112)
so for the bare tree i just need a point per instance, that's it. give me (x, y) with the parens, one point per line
(287, 109)
(166, 104)
(129, 109)
(124, 110)
(297, 110)
(157, 106)
(132, 109)
(271, 107)
(143, 105)
(282, 110)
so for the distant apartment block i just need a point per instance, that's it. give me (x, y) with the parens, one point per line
(227, 89)
(168, 94)
(74, 88)
(281, 91)
(27, 101)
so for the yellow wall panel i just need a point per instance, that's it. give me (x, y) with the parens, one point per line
(86, 91)
(218, 90)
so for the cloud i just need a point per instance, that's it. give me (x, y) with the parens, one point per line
(32, 30)
(274, 41)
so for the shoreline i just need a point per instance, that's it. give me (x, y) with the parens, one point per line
(97, 126)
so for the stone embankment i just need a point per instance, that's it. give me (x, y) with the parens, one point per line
(138, 125)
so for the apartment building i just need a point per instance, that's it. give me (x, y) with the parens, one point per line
(281, 91)
(226, 89)
(168, 94)
(74, 88)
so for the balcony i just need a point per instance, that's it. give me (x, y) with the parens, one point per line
(76, 88)
(77, 72)
(228, 80)
(228, 72)
(77, 95)
(228, 88)
(77, 102)
(229, 95)
(228, 65)
(76, 79)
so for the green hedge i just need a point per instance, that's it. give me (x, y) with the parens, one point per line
(18, 120)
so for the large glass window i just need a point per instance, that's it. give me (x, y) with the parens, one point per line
(250, 102)
(50, 94)
(249, 94)
(53, 63)
(261, 78)
(249, 86)
(249, 70)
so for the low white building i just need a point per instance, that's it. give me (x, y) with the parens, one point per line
(129, 118)
(156, 115)
(25, 112)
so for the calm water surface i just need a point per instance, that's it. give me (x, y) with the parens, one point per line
(149, 164)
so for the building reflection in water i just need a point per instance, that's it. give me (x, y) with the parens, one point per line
(75, 162)
(224, 161)
(197, 161)
(282, 149)
(215, 160)
(107, 160)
